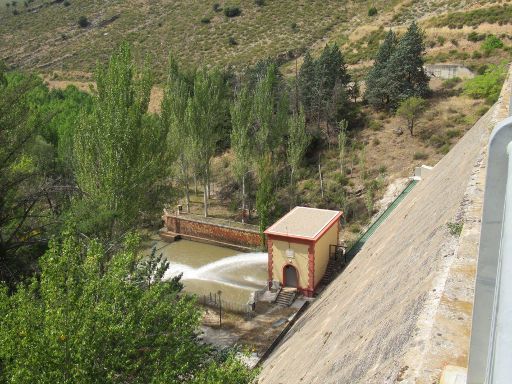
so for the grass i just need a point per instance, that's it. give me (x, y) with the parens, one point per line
(498, 14)
(34, 39)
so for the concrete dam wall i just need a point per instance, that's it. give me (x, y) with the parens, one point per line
(401, 311)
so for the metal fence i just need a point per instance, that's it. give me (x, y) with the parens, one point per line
(490, 355)
(215, 301)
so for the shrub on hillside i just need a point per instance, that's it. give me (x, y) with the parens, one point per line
(451, 83)
(259, 3)
(372, 12)
(232, 11)
(83, 22)
(67, 3)
(488, 85)
(491, 43)
(420, 156)
(474, 36)
(205, 20)
(232, 41)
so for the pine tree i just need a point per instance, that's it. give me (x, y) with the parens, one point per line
(307, 79)
(377, 84)
(404, 70)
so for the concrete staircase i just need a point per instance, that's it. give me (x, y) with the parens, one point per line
(286, 297)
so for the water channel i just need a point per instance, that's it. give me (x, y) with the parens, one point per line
(208, 268)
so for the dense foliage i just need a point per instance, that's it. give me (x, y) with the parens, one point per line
(119, 151)
(398, 72)
(97, 318)
(324, 90)
(36, 129)
(488, 85)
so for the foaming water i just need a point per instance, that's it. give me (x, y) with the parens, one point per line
(207, 269)
(216, 270)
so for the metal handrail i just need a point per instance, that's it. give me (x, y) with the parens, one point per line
(491, 334)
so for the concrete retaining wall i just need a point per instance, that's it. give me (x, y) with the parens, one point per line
(448, 71)
(197, 229)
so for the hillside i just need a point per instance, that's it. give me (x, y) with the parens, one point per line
(46, 36)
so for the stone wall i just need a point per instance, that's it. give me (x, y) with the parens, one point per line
(192, 228)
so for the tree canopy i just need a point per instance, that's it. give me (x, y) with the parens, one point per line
(119, 151)
(92, 318)
(398, 71)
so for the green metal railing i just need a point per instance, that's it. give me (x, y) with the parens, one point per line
(376, 224)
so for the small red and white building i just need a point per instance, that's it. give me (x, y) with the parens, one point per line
(299, 245)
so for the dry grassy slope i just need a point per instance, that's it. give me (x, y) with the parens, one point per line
(47, 38)
(374, 323)
(50, 38)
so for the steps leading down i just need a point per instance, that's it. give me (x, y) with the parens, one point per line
(286, 296)
(377, 321)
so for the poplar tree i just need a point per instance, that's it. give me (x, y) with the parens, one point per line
(119, 153)
(298, 141)
(269, 122)
(173, 118)
(241, 139)
(203, 114)
(377, 91)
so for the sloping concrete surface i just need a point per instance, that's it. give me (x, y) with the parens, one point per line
(401, 311)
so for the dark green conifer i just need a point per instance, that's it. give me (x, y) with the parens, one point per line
(376, 82)
(405, 73)
(307, 79)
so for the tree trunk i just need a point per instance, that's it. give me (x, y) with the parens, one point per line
(321, 180)
(187, 196)
(205, 197)
(243, 199)
(292, 190)
(185, 184)
(195, 184)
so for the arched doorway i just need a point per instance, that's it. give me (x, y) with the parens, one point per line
(290, 276)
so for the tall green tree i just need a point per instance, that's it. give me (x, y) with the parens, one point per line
(119, 152)
(377, 91)
(265, 198)
(297, 143)
(91, 318)
(307, 83)
(241, 139)
(204, 114)
(29, 186)
(269, 114)
(324, 87)
(177, 92)
(269, 124)
(404, 70)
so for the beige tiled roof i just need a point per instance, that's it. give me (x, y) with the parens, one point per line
(303, 222)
